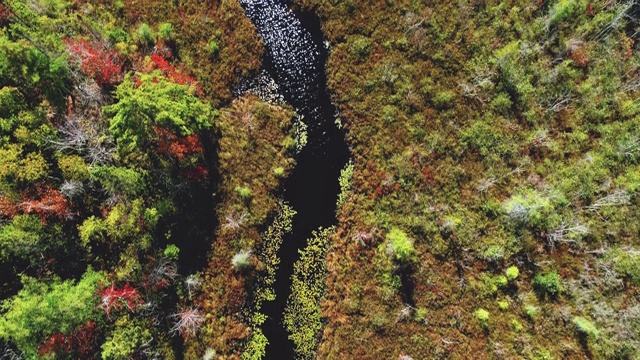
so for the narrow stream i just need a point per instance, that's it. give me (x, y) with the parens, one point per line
(295, 57)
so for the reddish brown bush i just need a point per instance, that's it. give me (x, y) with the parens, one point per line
(96, 61)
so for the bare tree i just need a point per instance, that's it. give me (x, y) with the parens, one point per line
(188, 322)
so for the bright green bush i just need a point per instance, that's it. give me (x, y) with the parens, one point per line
(512, 273)
(361, 47)
(119, 180)
(548, 284)
(400, 246)
(73, 167)
(145, 35)
(118, 36)
(585, 327)
(528, 208)
(21, 237)
(563, 10)
(482, 316)
(213, 47)
(165, 31)
(443, 99)
(171, 252)
(42, 308)
(626, 262)
(244, 192)
(531, 311)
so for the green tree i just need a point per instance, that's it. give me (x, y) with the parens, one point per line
(146, 100)
(44, 307)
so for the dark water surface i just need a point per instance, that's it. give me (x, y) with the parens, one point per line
(295, 57)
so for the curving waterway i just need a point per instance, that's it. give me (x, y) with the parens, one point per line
(295, 57)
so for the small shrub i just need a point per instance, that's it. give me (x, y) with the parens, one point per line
(400, 246)
(171, 252)
(503, 305)
(585, 327)
(244, 192)
(483, 317)
(512, 273)
(379, 321)
(213, 47)
(528, 208)
(501, 103)
(278, 171)
(118, 36)
(242, 260)
(516, 325)
(443, 99)
(421, 315)
(361, 47)
(494, 253)
(165, 31)
(562, 10)
(548, 284)
(531, 311)
(627, 263)
(145, 36)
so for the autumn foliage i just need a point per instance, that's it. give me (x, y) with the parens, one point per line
(43, 201)
(114, 298)
(96, 61)
(4, 13)
(80, 341)
(174, 75)
(177, 147)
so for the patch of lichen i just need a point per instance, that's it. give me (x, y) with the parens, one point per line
(251, 144)
(494, 134)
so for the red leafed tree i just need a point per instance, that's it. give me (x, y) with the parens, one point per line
(4, 13)
(80, 342)
(7, 207)
(46, 203)
(196, 173)
(43, 200)
(114, 298)
(96, 61)
(57, 344)
(172, 74)
(177, 147)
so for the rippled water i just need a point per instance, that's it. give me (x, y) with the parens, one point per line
(295, 59)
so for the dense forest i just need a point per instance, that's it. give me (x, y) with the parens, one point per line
(488, 208)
